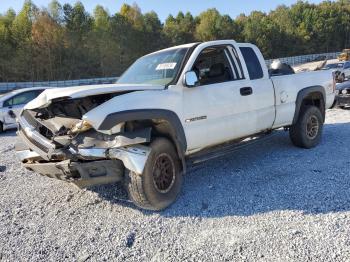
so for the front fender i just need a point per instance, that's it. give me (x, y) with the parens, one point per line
(143, 114)
(141, 105)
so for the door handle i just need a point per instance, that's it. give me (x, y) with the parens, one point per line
(246, 91)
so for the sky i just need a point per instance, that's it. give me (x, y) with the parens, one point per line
(165, 7)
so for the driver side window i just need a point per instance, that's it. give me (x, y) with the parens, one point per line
(213, 66)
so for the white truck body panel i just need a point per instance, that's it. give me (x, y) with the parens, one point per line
(82, 91)
(287, 88)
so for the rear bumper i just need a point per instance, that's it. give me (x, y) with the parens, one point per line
(343, 100)
(81, 174)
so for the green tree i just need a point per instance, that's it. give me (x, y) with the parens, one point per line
(7, 49)
(47, 39)
(78, 24)
(212, 26)
(180, 30)
(21, 34)
(56, 11)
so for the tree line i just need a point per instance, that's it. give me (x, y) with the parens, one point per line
(62, 42)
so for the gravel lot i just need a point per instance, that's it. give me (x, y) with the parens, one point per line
(267, 202)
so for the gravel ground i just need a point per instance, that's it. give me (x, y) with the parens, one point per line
(267, 202)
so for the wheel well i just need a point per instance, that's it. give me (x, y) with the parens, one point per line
(160, 128)
(315, 99)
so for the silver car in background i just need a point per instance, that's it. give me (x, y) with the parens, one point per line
(13, 102)
(341, 70)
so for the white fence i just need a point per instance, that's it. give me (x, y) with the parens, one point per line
(4, 87)
(295, 60)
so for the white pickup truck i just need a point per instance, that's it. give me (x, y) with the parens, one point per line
(168, 108)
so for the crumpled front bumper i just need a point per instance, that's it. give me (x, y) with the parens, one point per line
(81, 174)
(80, 166)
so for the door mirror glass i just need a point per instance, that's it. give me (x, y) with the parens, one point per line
(191, 79)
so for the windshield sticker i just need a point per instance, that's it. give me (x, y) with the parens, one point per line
(166, 66)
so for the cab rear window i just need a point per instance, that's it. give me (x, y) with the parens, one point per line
(253, 64)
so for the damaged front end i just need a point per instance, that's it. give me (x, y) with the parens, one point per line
(57, 143)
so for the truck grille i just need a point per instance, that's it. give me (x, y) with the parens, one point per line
(43, 130)
(29, 131)
(29, 118)
(33, 141)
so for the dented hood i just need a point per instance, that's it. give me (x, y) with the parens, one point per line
(45, 98)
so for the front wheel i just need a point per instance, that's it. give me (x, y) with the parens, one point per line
(307, 131)
(160, 183)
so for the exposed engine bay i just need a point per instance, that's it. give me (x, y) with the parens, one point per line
(72, 149)
(63, 114)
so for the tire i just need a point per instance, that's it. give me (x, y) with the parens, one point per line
(307, 131)
(160, 183)
(1, 128)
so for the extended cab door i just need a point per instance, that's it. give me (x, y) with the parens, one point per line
(226, 104)
(262, 100)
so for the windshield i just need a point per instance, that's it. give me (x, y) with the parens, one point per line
(159, 69)
(333, 66)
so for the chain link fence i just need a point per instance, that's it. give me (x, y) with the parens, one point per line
(5, 87)
(302, 59)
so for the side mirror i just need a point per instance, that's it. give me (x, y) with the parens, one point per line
(191, 79)
(12, 114)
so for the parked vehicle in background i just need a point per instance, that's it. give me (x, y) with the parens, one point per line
(340, 69)
(13, 102)
(171, 109)
(345, 55)
(343, 95)
(319, 58)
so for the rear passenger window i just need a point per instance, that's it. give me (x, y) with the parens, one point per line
(253, 64)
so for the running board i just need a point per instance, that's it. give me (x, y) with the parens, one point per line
(225, 149)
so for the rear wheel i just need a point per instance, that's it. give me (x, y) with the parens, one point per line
(307, 131)
(160, 183)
